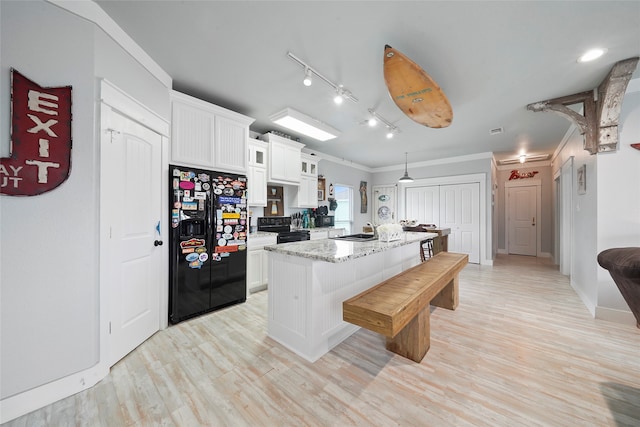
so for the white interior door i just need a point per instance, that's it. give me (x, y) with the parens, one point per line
(133, 186)
(385, 204)
(423, 204)
(460, 211)
(522, 220)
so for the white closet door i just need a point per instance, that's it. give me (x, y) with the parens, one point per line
(460, 211)
(423, 204)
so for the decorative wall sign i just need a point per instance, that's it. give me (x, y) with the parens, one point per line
(40, 158)
(363, 196)
(582, 179)
(517, 175)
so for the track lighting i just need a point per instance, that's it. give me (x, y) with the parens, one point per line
(307, 77)
(310, 71)
(375, 118)
(405, 177)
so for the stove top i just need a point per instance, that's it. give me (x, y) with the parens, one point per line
(274, 224)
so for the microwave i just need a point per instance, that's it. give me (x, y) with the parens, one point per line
(324, 221)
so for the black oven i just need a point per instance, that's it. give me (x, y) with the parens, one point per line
(282, 226)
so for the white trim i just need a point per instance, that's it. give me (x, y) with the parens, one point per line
(524, 165)
(90, 11)
(341, 161)
(616, 316)
(120, 101)
(350, 163)
(445, 161)
(565, 139)
(30, 400)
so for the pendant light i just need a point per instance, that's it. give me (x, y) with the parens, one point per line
(405, 177)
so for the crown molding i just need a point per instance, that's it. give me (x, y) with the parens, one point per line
(90, 11)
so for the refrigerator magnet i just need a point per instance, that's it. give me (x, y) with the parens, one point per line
(203, 257)
(206, 186)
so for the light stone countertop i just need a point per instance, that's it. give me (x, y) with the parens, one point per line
(335, 250)
(262, 234)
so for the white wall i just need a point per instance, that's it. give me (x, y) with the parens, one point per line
(337, 172)
(49, 244)
(49, 278)
(618, 210)
(608, 215)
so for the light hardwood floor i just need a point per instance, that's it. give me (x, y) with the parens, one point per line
(520, 350)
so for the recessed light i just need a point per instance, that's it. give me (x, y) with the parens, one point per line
(592, 54)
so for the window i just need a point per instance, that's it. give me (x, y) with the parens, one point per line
(344, 211)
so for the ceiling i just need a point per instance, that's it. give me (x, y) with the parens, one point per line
(490, 58)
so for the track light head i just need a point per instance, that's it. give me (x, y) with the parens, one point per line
(523, 158)
(372, 122)
(339, 98)
(307, 77)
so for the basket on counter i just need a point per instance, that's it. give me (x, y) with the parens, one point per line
(389, 232)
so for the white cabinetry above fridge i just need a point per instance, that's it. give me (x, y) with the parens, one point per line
(284, 160)
(208, 136)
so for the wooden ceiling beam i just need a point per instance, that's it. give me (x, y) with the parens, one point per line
(602, 105)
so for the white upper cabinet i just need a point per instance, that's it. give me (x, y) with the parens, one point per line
(207, 136)
(307, 194)
(257, 173)
(284, 160)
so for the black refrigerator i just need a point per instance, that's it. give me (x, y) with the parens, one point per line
(208, 241)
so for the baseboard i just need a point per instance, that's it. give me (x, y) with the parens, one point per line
(545, 255)
(502, 251)
(617, 316)
(30, 400)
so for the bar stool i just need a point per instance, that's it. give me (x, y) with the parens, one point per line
(426, 249)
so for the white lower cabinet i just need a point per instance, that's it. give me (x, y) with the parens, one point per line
(335, 232)
(258, 262)
(318, 234)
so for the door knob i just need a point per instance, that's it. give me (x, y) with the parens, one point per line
(157, 243)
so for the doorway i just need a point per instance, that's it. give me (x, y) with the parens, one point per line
(133, 277)
(523, 212)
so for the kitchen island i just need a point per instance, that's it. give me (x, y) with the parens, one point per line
(309, 280)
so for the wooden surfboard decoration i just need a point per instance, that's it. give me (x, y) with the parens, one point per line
(636, 146)
(414, 91)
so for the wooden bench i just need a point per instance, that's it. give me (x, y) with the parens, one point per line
(398, 308)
